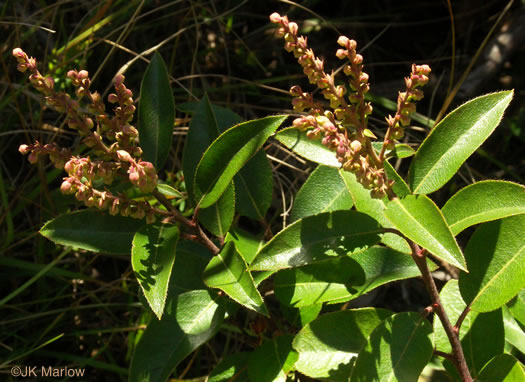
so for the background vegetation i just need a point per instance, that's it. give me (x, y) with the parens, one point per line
(63, 307)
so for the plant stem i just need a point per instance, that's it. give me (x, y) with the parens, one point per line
(452, 332)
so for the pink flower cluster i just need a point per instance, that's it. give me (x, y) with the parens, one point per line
(344, 128)
(112, 139)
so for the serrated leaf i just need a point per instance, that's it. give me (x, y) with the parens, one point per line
(375, 208)
(93, 230)
(502, 368)
(327, 346)
(299, 317)
(233, 367)
(315, 238)
(254, 187)
(419, 219)
(343, 278)
(228, 272)
(190, 320)
(496, 260)
(323, 191)
(156, 112)
(152, 257)
(483, 201)
(247, 245)
(272, 360)
(397, 350)
(228, 154)
(218, 218)
(311, 149)
(454, 139)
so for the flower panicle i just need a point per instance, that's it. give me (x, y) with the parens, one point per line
(344, 128)
(119, 156)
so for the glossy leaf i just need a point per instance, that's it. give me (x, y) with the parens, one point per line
(513, 332)
(186, 275)
(228, 271)
(418, 218)
(190, 320)
(496, 260)
(400, 187)
(152, 257)
(93, 230)
(397, 350)
(375, 208)
(517, 307)
(328, 345)
(311, 149)
(404, 151)
(483, 201)
(272, 360)
(299, 317)
(156, 112)
(233, 367)
(228, 154)
(254, 187)
(168, 191)
(315, 238)
(202, 132)
(454, 139)
(247, 245)
(323, 191)
(343, 278)
(502, 368)
(218, 218)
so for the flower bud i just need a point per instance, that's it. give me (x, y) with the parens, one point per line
(24, 149)
(124, 156)
(274, 18)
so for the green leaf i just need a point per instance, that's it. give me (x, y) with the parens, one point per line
(93, 230)
(496, 260)
(156, 114)
(454, 139)
(169, 191)
(254, 187)
(400, 187)
(228, 154)
(219, 217)
(229, 272)
(502, 368)
(517, 307)
(474, 331)
(343, 278)
(202, 132)
(190, 262)
(374, 208)
(418, 218)
(190, 320)
(397, 350)
(152, 257)
(513, 332)
(299, 317)
(328, 345)
(323, 191)
(231, 368)
(272, 360)
(247, 245)
(483, 201)
(404, 151)
(311, 149)
(315, 238)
